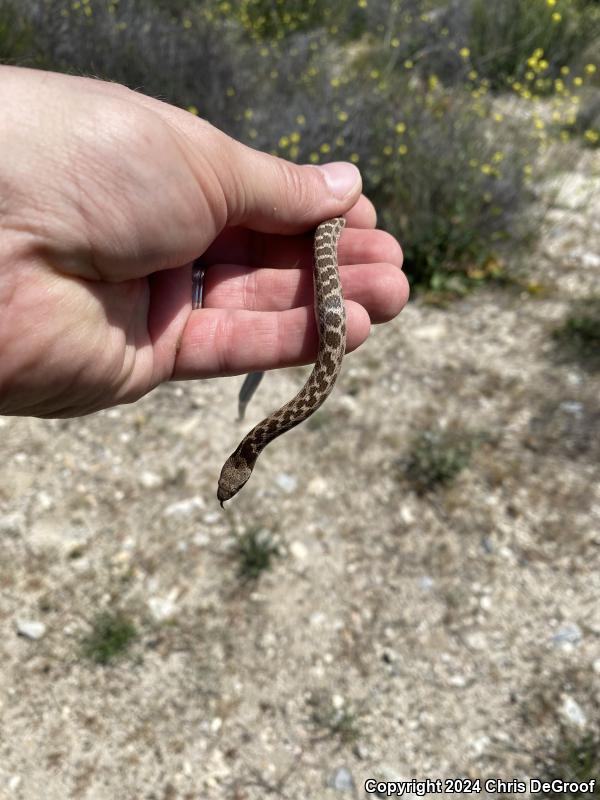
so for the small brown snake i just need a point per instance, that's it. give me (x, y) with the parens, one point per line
(330, 316)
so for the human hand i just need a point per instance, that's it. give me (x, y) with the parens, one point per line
(108, 196)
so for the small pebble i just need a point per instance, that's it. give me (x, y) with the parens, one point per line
(150, 480)
(571, 712)
(342, 780)
(568, 634)
(317, 486)
(12, 524)
(299, 551)
(31, 629)
(163, 608)
(184, 508)
(286, 482)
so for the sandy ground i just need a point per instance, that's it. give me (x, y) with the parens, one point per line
(395, 636)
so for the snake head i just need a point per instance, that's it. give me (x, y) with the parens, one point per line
(234, 475)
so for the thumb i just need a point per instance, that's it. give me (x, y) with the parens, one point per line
(273, 195)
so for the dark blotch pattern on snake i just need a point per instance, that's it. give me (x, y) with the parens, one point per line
(331, 321)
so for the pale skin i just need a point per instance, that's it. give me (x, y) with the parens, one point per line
(108, 196)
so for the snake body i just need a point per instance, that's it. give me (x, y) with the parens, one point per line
(331, 322)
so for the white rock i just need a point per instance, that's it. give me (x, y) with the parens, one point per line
(150, 480)
(342, 780)
(163, 608)
(317, 486)
(485, 603)
(459, 681)
(12, 524)
(185, 507)
(299, 550)
(349, 404)
(590, 260)
(480, 744)
(30, 628)
(476, 640)
(571, 712)
(569, 634)
(44, 501)
(286, 482)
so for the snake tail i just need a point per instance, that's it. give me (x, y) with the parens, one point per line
(330, 316)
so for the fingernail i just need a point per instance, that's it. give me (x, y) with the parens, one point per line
(342, 177)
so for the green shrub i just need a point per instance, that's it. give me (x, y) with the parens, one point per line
(435, 458)
(574, 760)
(254, 551)
(391, 86)
(578, 338)
(503, 37)
(110, 636)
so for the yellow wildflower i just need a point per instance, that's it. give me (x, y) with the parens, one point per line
(590, 69)
(591, 136)
(193, 110)
(354, 158)
(402, 150)
(464, 52)
(400, 127)
(556, 17)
